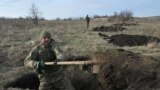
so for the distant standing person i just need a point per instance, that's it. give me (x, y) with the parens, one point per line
(87, 20)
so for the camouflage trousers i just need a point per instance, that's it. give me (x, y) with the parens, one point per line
(48, 82)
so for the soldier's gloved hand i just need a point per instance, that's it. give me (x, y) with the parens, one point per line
(40, 66)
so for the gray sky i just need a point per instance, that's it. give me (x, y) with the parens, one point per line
(51, 9)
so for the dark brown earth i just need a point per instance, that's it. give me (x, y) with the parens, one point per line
(129, 40)
(125, 70)
(112, 28)
(127, 24)
(29, 80)
(120, 70)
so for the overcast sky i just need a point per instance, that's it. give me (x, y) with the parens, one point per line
(51, 9)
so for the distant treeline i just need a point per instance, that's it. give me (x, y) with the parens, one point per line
(19, 18)
(122, 16)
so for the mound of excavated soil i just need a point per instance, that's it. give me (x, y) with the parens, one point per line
(125, 70)
(127, 24)
(112, 28)
(120, 70)
(129, 40)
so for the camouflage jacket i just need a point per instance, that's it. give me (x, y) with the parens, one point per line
(49, 54)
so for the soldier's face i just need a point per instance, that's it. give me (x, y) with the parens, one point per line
(46, 41)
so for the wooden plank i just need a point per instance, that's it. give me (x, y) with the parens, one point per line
(72, 63)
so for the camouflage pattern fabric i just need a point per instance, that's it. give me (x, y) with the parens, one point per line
(45, 34)
(53, 75)
(87, 20)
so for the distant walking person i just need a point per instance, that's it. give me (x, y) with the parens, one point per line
(87, 20)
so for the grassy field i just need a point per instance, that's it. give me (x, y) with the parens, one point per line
(19, 37)
(73, 36)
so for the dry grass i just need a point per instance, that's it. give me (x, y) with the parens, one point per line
(127, 70)
(17, 38)
(71, 34)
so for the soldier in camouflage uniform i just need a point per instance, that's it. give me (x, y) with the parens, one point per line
(87, 20)
(51, 77)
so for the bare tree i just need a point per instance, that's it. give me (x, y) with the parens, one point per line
(126, 15)
(123, 16)
(35, 14)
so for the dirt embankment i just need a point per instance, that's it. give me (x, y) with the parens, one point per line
(112, 28)
(129, 40)
(127, 70)
(120, 70)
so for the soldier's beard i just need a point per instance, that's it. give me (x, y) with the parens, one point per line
(46, 44)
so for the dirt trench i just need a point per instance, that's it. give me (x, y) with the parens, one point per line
(120, 70)
(112, 28)
(129, 40)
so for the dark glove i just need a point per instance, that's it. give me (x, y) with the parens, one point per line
(41, 67)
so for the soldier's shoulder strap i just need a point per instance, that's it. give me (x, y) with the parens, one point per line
(39, 47)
